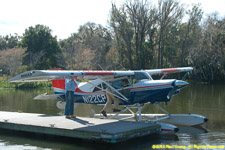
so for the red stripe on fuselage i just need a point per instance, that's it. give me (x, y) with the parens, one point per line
(167, 130)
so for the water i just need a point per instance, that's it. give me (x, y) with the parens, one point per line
(206, 100)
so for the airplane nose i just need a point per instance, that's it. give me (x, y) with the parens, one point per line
(181, 83)
(206, 119)
(176, 130)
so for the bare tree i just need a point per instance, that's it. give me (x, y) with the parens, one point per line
(70, 51)
(131, 24)
(11, 60)
(34, 58)
(170, 13)
(191, 32)
(85, 59)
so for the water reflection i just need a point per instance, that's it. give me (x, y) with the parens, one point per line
(22, 101)
(206, 100)
(192, 131)
(21, 141)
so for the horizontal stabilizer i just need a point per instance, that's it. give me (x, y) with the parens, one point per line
(45, 96)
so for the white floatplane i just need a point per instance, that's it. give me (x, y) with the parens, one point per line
(142, 90)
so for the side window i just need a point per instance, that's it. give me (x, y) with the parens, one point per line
(97, 89)
(125, 83)
(119, 83)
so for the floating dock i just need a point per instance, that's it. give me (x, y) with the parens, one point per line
(106, 130)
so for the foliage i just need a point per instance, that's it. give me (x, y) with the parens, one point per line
(98, 39)
(131, 24)
(9, 41)
(140, 36)
(87, 48)
(209, 57)
(42, 48)
(4, 84)
(139, 28)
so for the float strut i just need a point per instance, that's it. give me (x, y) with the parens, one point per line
(139, 111)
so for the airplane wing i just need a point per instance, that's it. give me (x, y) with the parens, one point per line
(47, 75)
(169, 70)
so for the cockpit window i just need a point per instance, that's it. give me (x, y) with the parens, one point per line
(142, 76)
(120, 83)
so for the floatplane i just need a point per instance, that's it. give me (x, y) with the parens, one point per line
(141, 91)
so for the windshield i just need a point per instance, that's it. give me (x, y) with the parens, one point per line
(142, 76)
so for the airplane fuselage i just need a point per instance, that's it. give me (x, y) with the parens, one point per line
(147, 90)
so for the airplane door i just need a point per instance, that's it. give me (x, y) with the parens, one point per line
(126, 92)
(123, 89)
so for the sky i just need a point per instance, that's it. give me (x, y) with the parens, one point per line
(64, 17)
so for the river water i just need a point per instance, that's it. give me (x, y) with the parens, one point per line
(204, 99)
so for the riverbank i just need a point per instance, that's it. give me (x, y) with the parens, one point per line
(5, 84)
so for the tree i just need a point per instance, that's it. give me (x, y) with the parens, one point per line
(143, 16)
(71, 48)
(11, 60)
(98, 39)
(87, 48)
(209, 58)
(9, 41)
(131, 23)
(190, 36)
(42, 48)
(171, 14)
(123, 31)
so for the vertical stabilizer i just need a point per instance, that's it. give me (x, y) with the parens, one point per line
(58, 84)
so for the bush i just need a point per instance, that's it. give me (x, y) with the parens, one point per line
(20, 85)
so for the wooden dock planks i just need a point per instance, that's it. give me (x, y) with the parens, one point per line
(106, 130)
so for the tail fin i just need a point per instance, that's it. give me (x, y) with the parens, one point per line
(58, 84)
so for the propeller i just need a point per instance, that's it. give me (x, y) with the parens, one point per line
(173, 91)
(186, 76)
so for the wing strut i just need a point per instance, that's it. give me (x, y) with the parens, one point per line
(157, 105)
(122, 97)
